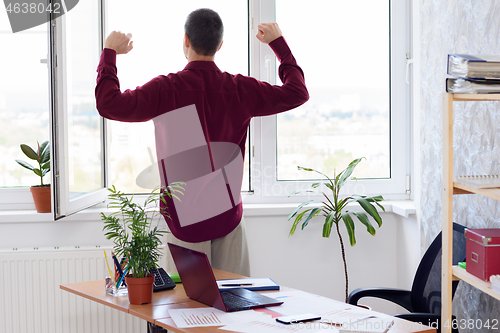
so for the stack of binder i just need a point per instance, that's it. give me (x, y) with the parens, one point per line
(473, 74)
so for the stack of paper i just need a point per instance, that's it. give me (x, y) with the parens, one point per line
(473, 74)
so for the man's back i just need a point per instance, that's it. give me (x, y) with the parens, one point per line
(224, 103)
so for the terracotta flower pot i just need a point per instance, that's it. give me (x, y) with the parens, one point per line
(41, 197)
(140, 290)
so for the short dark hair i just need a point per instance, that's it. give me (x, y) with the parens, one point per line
(205, 30)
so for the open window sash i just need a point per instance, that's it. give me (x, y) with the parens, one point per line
(78, 133)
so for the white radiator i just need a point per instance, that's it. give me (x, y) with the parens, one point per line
(31, 300)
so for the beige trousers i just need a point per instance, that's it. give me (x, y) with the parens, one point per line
(228, 253)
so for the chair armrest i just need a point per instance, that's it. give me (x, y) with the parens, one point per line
(398, 296)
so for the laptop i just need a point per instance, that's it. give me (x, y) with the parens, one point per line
(199, 283)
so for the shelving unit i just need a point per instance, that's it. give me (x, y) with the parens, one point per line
(451, 188)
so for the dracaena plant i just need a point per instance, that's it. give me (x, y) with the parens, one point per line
(333, 209)
(134, 228)
(41, 156)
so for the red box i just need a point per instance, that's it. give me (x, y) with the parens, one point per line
(483, 252)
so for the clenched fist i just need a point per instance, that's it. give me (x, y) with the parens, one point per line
(119, 42)
(268, 32)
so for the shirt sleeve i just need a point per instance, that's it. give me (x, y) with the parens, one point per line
(141, 104)
(271, 99)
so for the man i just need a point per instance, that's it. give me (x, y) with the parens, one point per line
(224, 105)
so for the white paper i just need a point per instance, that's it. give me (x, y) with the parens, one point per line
(270, 325)
(344, 316)
(201, 317)
(297, 302)
(372, 325)
(254, 283)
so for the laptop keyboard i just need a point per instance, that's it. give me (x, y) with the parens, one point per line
(234, 301)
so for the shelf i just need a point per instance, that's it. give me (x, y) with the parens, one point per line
(493, 193)
(476, 97)
(451, 188)
(474, 281)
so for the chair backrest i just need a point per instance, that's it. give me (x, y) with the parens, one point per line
(426, 289)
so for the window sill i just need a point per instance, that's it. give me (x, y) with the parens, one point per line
(403, 208)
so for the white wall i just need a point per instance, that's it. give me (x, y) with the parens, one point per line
(464, 27)
(305, 261)
(312, 263)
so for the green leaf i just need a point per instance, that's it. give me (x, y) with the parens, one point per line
(309, 169)
(313, 213)
(349, 224)
(306, 169)
(25, 165)
(38, 172)
(364, 219)
(346, 173)
(368, 207)
(28, 151)
(292, 214)
(45, 152)
(315, 185)
(296, 222)
(46, 166)
(327, 226)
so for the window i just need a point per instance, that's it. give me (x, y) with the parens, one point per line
(352, 54)
(348, 113)
(24, 99)
(353, 57)
(132, 145)
(50, 81)
(78, 161)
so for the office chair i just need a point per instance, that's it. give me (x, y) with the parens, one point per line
(424, 299)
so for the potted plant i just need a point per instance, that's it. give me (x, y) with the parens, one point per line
(41, 193)
(134, 230)
(333, 209)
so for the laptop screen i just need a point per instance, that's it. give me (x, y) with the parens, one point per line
(197, 276)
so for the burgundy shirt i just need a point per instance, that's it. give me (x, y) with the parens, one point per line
(225, 104)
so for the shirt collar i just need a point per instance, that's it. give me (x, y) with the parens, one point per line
(202, 65)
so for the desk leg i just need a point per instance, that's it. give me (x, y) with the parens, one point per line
(152, 328)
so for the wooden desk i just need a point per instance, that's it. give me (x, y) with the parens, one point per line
(157, 311)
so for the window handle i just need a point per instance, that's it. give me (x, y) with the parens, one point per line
(267, 59)
(409, 61)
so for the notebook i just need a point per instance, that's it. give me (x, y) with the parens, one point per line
(199, 283)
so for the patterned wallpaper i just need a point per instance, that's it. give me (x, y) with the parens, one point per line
(471, 27)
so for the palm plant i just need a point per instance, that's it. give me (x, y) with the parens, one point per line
(42, 156)
(132, 231)
(333, 209)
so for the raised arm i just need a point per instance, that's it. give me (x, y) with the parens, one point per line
(141, 104)
(272, 99)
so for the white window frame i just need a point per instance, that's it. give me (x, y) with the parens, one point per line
(62, 204)
(266, 187)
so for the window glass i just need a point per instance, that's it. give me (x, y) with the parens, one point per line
(157, 28)
(343, 49)
(84, 123)
(24, 100)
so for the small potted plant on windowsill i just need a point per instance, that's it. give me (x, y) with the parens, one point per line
(137, 237)
(41, 193)
(333, 209)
